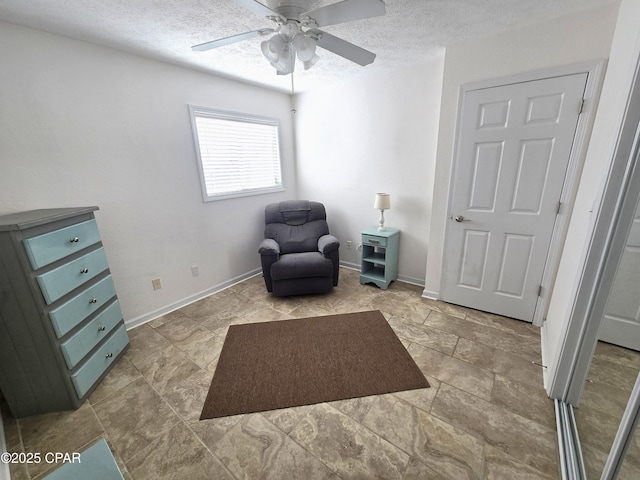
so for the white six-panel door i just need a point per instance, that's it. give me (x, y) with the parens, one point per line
(621, 323)
(514, 144)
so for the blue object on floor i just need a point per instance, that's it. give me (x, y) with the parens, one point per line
(95, 463)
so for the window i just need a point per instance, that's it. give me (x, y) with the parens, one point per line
(238, 154)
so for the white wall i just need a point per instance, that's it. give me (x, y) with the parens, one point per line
(563, 41)
(625, 51)
(86, 125)
(373, 134)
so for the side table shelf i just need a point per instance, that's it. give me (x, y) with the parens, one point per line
(379, 256)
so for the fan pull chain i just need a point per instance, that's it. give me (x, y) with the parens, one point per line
(293, 101)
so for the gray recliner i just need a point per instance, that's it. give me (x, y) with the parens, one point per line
(298, 254)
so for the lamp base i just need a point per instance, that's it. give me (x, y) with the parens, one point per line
(381, 221)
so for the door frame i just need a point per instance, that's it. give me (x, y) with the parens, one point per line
(595, 75)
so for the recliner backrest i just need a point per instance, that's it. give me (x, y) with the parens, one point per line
(296, 225)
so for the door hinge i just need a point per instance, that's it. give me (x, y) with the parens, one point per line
(581, 109)
(540, 291)
(558, 207)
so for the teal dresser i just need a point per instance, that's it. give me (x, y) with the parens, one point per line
(379, 256)
(61, 328)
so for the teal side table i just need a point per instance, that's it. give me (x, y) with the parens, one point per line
(379, 256)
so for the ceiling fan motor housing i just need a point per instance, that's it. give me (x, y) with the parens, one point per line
(289, 9)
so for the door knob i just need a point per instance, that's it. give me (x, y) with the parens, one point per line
(460, 218)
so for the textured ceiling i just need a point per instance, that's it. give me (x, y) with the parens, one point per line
(410, 32)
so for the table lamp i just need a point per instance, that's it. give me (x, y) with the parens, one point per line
(382, 203)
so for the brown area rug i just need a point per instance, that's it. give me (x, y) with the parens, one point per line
(271, 365)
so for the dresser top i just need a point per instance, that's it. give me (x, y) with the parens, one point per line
(34, 218)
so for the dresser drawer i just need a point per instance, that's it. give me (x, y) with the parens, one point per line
(98, 363)
(375, 241)
(60, 281)
(45, 249)
(91, 334)
(71, 313)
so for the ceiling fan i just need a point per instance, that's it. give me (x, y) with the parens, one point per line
(296, 31)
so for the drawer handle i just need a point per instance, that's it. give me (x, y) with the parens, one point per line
(374, 241)
(109, 355)
(74, 239)
(84, 270)
(102, 329)
(93, 300)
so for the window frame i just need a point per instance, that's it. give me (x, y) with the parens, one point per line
(197, 111)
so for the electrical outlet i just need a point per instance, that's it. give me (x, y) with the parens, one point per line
(194, 271)
(156, 283)
(348, 244)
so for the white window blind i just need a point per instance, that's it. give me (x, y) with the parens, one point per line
(238, 154)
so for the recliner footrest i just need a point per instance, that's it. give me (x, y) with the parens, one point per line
(301, 265)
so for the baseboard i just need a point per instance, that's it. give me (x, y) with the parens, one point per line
(430, 294)
(147, 317)
(350, 266)
(411, 280)
(544, 354)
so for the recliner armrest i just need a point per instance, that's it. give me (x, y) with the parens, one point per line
(327, 244)
(269, 246)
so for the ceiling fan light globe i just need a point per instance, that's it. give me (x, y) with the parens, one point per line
(285, 63)
(283, 69)
(311, 62)
(264, 46)
(272, 49)
(301, 42)
(307, 54)
(305, 47)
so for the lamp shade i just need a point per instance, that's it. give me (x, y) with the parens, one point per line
(382, 201)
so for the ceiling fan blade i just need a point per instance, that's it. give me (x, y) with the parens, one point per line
(347, 11)
(232, 39)
(343, 48)
(257, 8)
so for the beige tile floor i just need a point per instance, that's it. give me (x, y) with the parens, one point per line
(485, 416)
